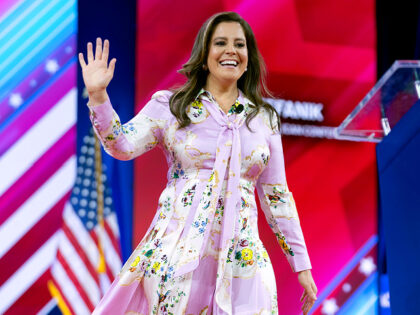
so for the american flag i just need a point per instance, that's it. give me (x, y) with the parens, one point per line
(89, 255)
(38, 164)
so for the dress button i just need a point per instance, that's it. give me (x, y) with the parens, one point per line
(230, 125)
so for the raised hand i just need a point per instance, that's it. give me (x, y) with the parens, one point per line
(97, 73)
(309, 294)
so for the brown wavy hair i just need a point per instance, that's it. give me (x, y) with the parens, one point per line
(251, 83)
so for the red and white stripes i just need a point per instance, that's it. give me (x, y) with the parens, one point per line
(37, 175)
(75, 271)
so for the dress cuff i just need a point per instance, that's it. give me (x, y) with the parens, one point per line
(101, 115)
(300, 262)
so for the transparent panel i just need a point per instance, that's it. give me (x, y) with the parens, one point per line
(394, 94)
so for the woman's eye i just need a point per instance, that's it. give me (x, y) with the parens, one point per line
(240, 45)
(220, 43)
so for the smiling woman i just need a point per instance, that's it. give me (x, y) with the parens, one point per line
(221, 142)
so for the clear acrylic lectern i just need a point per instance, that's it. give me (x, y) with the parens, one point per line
(391, 97)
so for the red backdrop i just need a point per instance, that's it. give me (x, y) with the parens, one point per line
(321, 51)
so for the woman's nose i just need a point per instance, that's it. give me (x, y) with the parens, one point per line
(230, 48)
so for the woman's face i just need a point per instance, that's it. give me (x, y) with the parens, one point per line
(228, 53)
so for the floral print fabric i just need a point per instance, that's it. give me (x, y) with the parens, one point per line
(202, 253)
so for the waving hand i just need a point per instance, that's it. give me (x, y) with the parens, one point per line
(97, 73)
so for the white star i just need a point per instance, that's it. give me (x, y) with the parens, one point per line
(346, 287)
(329, 307)
(15, 100)
(52, 66)
(83, 202)
(367, 266)
(74, 200)
(83, 149)
(384, 300)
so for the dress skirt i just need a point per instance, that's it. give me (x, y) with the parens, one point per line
(147, 284)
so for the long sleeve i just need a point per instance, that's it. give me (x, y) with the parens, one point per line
(139, 135)
(279, 207)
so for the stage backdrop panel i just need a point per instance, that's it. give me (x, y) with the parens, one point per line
(38, 97)
(321, 61)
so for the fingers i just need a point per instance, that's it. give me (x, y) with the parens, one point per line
(105, 52)
(312, 295)
(89, 52)
(101, 53)
(314, 289)
(303, 295)
(304, 307)
(98, 50)
(111, 67)
(310, 289)
(309, 298)
(307, 305)
(82, 61)
(309, 293)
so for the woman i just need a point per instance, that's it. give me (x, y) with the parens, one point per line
(202, 253)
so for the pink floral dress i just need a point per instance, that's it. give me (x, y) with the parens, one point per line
(202, 253)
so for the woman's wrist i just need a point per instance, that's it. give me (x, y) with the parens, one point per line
(97, 97)
(304, 271)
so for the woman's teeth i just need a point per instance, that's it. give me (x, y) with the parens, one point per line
(229, 63)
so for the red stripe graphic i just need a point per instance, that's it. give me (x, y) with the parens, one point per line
(21, 124)
(38, 174)
(32, 240)
(34, 299)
